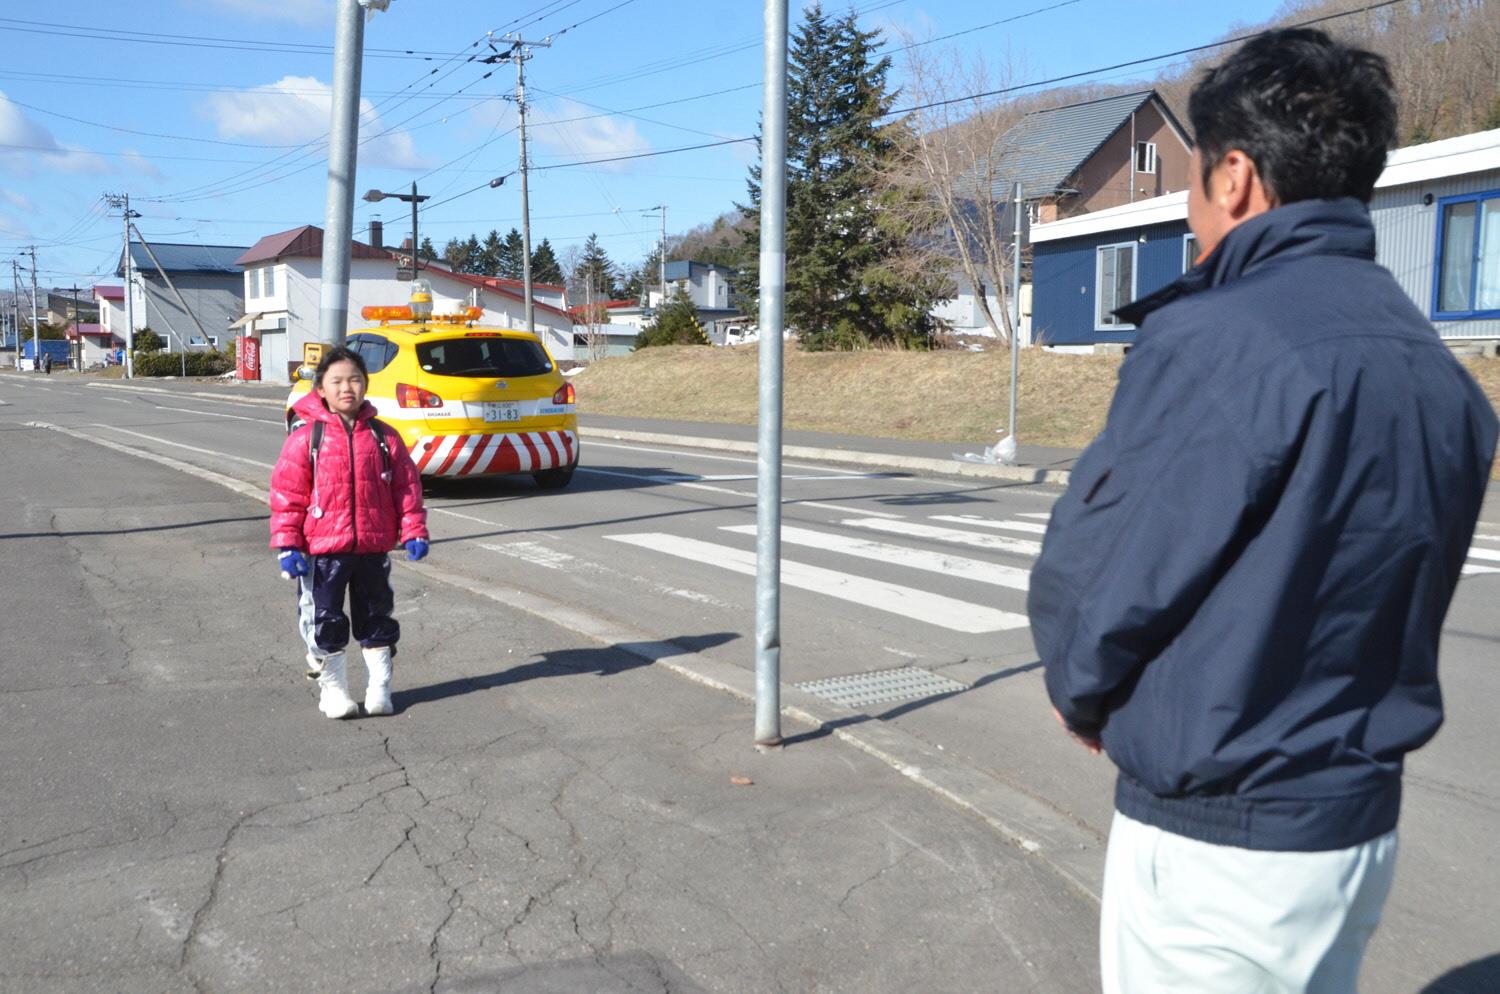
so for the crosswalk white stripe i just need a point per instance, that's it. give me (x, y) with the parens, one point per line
(1477, 553)
(913, 529)
(1011, 526)
(1042, 516)
(908, 602)
(1473, 570)
(897, 555)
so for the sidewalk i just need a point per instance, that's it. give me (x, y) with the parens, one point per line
(543, 814)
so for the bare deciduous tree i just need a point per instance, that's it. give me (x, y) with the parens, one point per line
(953, 165)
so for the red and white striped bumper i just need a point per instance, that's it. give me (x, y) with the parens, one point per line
(477, 455)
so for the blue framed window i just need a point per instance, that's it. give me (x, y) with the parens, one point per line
(1466, 272)
(1189, 251)
(1114, 281)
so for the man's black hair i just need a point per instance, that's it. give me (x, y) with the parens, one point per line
(339, 353)
(1315, 116)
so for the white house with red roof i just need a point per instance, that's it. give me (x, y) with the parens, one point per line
(99, 343)
(110, 300)
(283, 290)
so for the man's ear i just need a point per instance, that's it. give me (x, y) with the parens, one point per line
(1239, 192)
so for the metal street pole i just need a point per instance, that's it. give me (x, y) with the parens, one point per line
(1015, 303)
(343, 147)
(519, 54)
(416, 246)
(15, 308)
(768, 445)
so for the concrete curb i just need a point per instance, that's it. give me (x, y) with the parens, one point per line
(877, 460)
(1027, 822)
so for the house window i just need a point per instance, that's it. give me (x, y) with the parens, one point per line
(1115, 280)
(1468, 257)
(268, 281)
(250, 293)
(1145, 157)
(1189, 251)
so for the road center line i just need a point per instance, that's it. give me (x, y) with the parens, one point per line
(213, 414)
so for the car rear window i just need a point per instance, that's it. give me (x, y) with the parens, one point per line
(483, 357)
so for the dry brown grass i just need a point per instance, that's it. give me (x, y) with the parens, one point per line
(929, 396)
(933, 396)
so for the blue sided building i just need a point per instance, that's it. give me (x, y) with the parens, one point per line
(1436, 212)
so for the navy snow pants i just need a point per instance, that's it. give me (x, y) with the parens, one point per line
(320, 602)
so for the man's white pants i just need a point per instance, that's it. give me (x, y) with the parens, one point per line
(1184, 915)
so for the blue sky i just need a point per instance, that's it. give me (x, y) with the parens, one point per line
(211, 113)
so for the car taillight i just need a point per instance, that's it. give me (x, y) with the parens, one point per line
(565, 394)
(410, 396)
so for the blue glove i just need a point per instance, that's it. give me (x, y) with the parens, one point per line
(293, 563)
(416, 549)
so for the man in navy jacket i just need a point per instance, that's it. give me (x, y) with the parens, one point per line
(1239, 598)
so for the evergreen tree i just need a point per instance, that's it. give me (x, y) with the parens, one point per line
(473, 256)
(595, 268)
(427, 251)
(456, 255)
(843, 291)
(513, 257)
(675, 324)
(544, 265)
(491, 254)
(645, 277)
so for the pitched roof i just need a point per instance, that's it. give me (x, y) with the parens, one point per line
(491, 283)
(177, 257)
(1046, 147)
(306, 241)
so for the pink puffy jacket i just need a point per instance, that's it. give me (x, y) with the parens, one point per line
(360, 511)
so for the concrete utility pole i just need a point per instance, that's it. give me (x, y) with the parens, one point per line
(77, 325)
(15, 308)
(768, 445)
(122, 201)
(343, 148)
(520, 51)
(36, 337)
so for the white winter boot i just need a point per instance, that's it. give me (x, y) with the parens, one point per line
(378, 690)
(334, 699)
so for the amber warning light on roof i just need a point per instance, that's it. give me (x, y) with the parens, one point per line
(403, 312)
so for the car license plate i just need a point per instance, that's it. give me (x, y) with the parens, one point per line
(501, 413)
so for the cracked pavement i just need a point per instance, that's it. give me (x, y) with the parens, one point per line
(541, 814)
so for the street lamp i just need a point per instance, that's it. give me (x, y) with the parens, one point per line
(376, 196)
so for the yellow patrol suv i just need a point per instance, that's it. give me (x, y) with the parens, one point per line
(468, 401)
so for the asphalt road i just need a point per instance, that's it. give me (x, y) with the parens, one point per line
(881, 572)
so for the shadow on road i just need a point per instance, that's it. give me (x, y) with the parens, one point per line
(1479, 977)
(605, 661)
(829, 727)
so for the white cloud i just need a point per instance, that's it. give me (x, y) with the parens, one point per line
(599, 137)
(18, 200)
(142, 165)
(297, 109)
(14, 227)
(33, 146)
(309, 12)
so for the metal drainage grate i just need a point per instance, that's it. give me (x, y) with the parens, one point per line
(902, 684)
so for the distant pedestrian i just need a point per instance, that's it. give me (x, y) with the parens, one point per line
(1240, 595)
(342, 494)
(47, 364)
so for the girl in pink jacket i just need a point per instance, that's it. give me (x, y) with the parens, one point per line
(343, 493)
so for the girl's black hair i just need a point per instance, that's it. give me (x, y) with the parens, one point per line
(339, 354)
